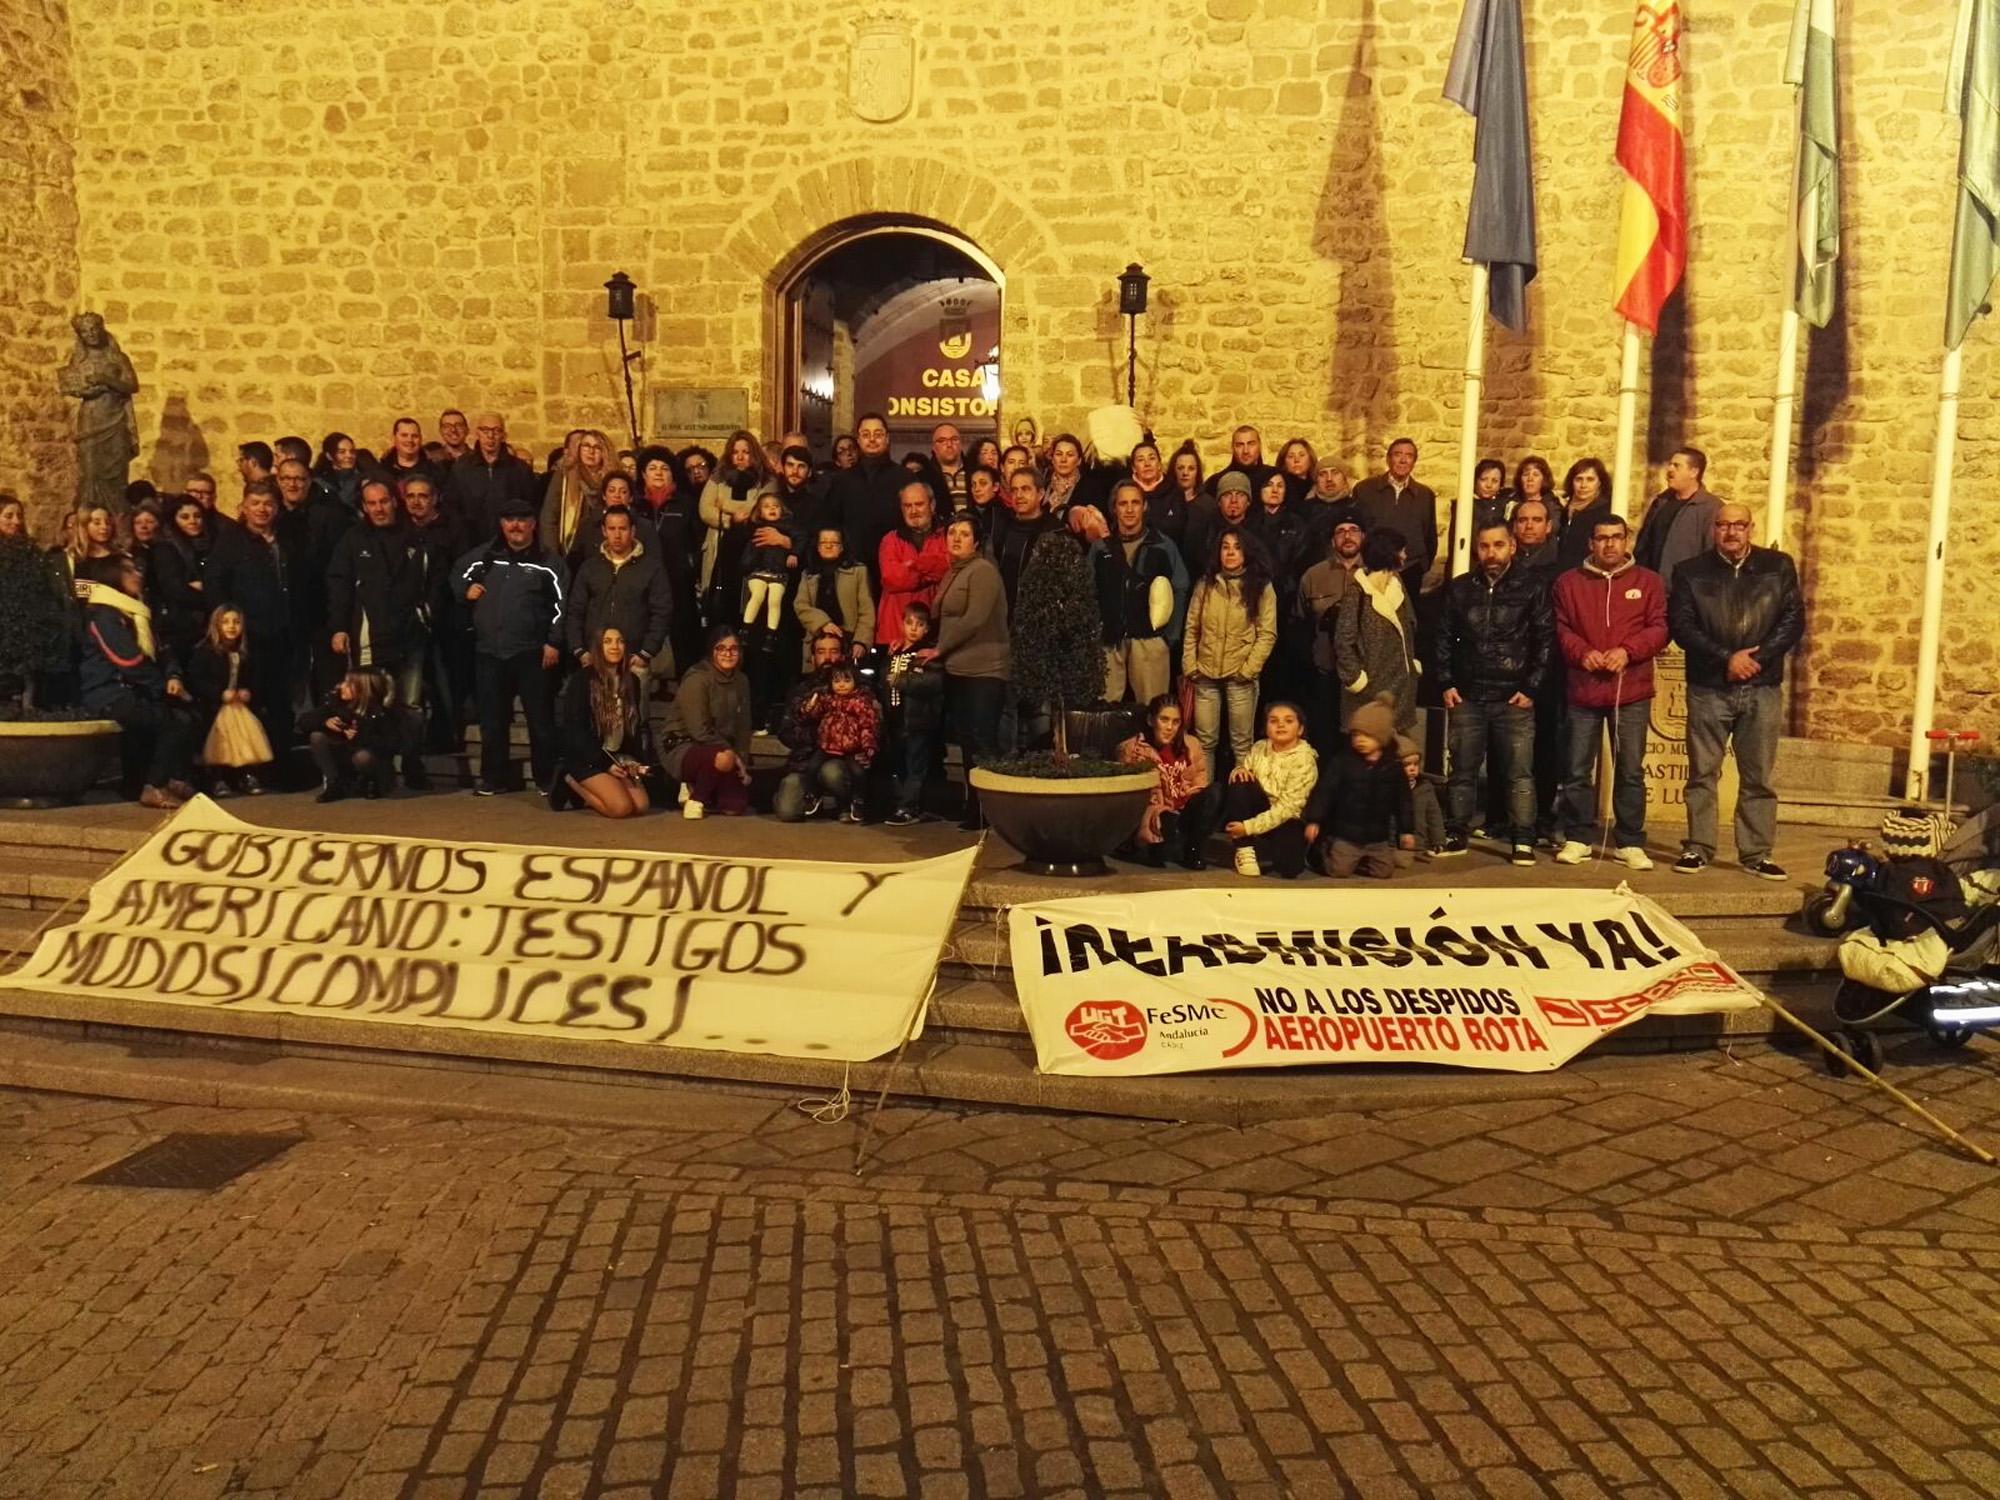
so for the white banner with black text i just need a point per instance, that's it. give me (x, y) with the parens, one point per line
(798, 958)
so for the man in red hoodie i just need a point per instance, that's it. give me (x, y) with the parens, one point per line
(1611, 621)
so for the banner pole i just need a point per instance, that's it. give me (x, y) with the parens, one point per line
(1878, 1081)
(1916, 782)
(1628, 423)
(1786, 402)
(1781, 426)
(1468, 421)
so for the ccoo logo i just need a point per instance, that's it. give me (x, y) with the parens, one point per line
(1107, 1029)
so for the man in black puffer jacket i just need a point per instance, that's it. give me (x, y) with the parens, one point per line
(1494, 646)
(1736, 611)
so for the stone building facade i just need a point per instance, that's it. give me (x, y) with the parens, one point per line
(302, 216)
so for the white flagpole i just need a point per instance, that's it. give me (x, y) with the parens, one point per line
(1468, 422)
(1786, 404)
(1628, 423)
(1916, 781)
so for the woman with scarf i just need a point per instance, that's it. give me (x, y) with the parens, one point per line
(573, 507)
(740, 477)
(834, 591)
(606, 747)
(1375, 634)
(122, 678)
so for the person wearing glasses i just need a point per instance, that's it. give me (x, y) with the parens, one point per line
(706, 747)
(1736, 611)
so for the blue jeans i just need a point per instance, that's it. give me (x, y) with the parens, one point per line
(1576, 804)
(1748, 716)
(1509, 732)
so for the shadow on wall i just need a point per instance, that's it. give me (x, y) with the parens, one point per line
(1673, 407)
(179, 450)
(1351, 231)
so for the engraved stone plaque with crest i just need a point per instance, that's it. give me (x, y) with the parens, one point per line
(882, 69)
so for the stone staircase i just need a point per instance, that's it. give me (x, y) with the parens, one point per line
(974, 1050)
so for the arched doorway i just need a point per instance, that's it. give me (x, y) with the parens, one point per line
(894, 314)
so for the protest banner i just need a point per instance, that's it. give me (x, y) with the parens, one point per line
(1522, 980)
(796, 958)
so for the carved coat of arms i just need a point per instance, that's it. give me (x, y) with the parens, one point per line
(882, 70)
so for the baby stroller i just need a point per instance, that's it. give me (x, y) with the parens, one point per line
(1917, 956)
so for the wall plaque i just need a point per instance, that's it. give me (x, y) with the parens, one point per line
(700, 411)
(881, 69)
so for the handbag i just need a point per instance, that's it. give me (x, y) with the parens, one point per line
(236, 739)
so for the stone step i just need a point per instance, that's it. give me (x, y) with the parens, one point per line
(46, 879)
(118, 1049)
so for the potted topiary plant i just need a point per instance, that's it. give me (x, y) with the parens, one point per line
(46, 755)
(1063, 812)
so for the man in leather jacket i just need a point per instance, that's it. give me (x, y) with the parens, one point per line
(1736, 611)
(1494, 646)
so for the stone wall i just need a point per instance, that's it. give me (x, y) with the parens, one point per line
(38, 265)
(319, 215)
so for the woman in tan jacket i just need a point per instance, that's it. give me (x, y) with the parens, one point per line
(1232, 624)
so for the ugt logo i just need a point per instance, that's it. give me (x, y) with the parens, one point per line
(1107, 1029)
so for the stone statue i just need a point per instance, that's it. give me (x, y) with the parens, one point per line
(107, 433)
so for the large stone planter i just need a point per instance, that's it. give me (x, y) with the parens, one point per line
(43, 764)
(1064, 827)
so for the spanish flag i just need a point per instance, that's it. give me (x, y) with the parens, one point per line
(1652, 219)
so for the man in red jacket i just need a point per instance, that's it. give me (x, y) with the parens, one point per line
(1611, 621)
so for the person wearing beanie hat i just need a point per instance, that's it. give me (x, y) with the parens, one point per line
(1362, 801)
(1912, 833)
(1337, 535)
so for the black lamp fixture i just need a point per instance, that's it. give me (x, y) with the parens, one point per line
(620, 307)
(1132, 284)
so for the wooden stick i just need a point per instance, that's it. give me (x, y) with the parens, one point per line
(1890, 1089)
(888, 1077)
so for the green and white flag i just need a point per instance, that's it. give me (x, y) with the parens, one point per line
(1810, 68)
(1972, 92)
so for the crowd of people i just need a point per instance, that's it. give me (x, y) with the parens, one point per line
(1277, 630)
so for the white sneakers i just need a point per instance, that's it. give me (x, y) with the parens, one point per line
(1246, 861)
(1575, 853)
(692, 809)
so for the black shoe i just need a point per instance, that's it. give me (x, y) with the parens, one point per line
(1153, 857)
(902, 817)
(484, 788)
(561, 796)
(1691, 862)
(222, 791)
(1764, 869)
(371, 790)
(1524, 854)
(1193, 862)
(333, 791)
(249, 785)
(852, 814)
(1455, 844)
(416, 778)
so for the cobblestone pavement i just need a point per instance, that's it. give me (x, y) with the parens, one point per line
(1732, 1276)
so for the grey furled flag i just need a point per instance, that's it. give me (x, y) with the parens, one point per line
(1488, 79)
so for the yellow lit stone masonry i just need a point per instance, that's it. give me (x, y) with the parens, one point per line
(38, 269)
(305, 216)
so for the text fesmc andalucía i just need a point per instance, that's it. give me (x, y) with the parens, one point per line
(1608, 943)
